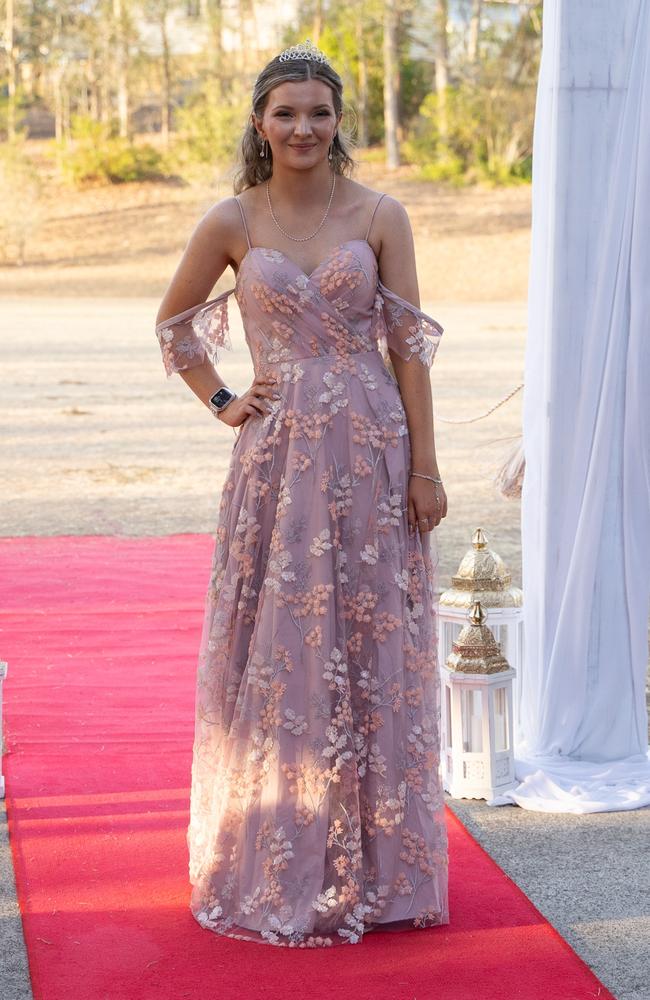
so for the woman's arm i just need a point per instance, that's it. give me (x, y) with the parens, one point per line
(397, 271)
(207, 254)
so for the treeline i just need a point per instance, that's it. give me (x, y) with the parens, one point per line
(135, 89)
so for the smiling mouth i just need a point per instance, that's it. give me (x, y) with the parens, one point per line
(303, 145)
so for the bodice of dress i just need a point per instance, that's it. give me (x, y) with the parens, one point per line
(341, 308)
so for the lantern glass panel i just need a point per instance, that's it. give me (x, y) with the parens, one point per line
(472, 720)
(452, 629)
(500, 719)
(500, 633)
(448, 715)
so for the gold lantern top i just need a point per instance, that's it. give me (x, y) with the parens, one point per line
(482, 576)
(475, 650)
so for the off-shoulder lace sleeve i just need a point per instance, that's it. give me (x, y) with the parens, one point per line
(191, 336)
(404, 328)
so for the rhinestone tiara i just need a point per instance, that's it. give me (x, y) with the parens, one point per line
(304, 50)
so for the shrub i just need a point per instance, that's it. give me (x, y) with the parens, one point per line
(209, 126)
(97, 156)
(22, 213)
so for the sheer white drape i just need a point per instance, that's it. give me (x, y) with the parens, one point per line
(583, 743)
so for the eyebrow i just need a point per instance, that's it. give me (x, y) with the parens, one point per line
(289, 107)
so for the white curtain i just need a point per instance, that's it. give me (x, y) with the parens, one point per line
(582, 744)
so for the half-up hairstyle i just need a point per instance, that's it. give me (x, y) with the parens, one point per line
(254, 169)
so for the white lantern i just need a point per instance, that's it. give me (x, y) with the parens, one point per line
(483, 576)
(477, 754)
(3, 674)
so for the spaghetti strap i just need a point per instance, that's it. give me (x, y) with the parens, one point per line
(373, 216)
(243, 219)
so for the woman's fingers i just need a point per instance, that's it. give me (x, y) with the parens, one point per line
(263, 387)
(428, 513)
(412, 516)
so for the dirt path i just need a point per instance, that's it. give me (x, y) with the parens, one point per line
(97, 441)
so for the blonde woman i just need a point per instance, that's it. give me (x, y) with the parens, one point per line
(317, 813)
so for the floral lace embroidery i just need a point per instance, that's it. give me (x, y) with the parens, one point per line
(404, 328)
(316, 806)
(189, 337)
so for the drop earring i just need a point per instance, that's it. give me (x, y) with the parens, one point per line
(263, 147)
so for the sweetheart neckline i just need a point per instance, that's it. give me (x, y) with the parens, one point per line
(311, 274)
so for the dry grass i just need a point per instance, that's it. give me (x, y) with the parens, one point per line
(125, 240)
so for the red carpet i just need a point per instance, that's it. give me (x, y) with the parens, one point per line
(101, 637)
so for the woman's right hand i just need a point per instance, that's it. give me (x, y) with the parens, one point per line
(251, 402)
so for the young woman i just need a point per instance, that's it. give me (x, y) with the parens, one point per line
(317, 812)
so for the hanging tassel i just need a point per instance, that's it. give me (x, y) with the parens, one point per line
(510, 476)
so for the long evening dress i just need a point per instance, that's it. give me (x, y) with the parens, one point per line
(317, 811)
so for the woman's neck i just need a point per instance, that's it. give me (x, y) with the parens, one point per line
(289, 188)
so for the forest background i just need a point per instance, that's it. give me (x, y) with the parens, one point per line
(119, 121)
(155, 90)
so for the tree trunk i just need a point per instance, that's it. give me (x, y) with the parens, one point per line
(121, 68)
(362, 82)
(215, 25)
(104, 84)
(474, 32)
(391, 84)
(317, 24)
(166, 79)
(58, 103)
(442, 64)
(11, 70)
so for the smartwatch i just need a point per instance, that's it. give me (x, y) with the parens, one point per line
(219, 401)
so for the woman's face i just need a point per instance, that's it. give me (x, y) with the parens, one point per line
(299, 122)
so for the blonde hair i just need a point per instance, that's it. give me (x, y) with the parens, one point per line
(253, 168)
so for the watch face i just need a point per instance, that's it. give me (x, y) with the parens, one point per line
(221, 397)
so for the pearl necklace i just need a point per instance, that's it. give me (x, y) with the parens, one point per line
(301, 239)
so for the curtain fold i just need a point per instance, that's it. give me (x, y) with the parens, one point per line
(582, 744)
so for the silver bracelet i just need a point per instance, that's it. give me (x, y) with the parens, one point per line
(433, 479)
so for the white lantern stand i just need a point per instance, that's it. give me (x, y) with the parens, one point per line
(477, 753)
(3, 674)
(482, 576)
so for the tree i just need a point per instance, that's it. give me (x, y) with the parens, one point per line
(474, 33)
(442, 63)
(391, 83)
(158, 11)
(10, 49)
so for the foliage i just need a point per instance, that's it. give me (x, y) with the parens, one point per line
(339, 41)
(95, 155)
(101, 61)
(21, 104)
(482, 127)
(209, 126)
(22, 213)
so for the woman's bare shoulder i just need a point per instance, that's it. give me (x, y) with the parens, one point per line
(362, 192)
(221, 226)
(224, 216)
(392, 219)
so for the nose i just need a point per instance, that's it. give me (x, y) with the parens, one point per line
(302, 126)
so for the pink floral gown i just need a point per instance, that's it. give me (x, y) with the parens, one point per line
(317, 811)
